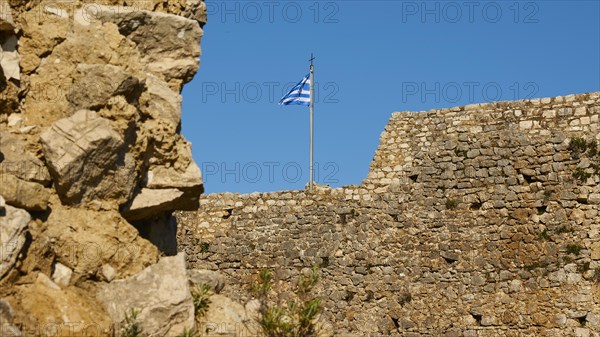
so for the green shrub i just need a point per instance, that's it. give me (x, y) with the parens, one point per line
(404, 298)
(200, 296)
(592, 148)
(189, 333)
(349, 296)
(544, 235)
(578, 145)
(131, 328)
(295, 318)
(581, 175)
(582, 268)
(536, 265)
(573, 249)
(354, 212)
(451, 203)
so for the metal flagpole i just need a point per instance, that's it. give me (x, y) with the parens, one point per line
(312, 101)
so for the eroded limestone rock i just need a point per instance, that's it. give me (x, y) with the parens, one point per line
(85, 240)
(226, 317)
(62, 275)
(160, 294)
(84, 154)
(23, 194)
(150, 202)
(6, 318)
(71, 311)
(214, 279)
(18, 161)
(95, 84)
(13, 226)
(159, 101)
(10, 71)
(56, 75)
(168, 43)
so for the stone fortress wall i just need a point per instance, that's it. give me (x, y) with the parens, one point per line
(470, 223)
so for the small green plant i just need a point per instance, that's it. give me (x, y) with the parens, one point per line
(582, 268)
(131, 327)
(592, 148)
(349, 296)
(295, 318)
(460, 153)
(541, 210)
(578, 145)
(567, 259)
(573, 249)
(544, 235)
(404, 298)
(536, 265)
(261, 288)
(204, 247)
(581, 175)
(189, 333)
(201, 298)
(596, 168)
(370, 295)
(451, 203)
(324, 262)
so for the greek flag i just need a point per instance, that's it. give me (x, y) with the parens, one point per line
(300, 93)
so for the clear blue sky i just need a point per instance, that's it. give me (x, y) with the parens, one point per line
(373, 58)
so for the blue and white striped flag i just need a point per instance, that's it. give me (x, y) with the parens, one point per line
(300, 93)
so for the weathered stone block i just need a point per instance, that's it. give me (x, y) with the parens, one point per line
(167, 43)
(160, 294)
(23, 194)
(212, 278)
(19, 162)
(83, 152)
(95, 84)
(87, 240)
(13, 226)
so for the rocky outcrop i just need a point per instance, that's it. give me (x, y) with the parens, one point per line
(226, 317)
(10, 73)
(68, 311)
(86, 240)
(157, 197)
(19, 161)
(160, 294)
(94, 85)
(6, 318)
(168, 44)
(92, 161)
(87, 159)
(13, 225)
(129, 84)
(213, 279)
(24, 194)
